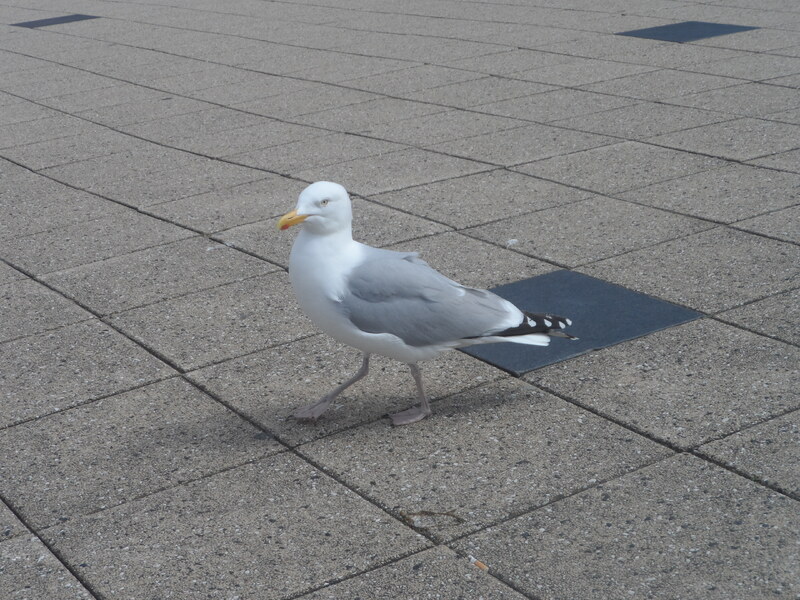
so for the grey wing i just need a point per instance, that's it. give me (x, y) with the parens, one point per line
(407, 298)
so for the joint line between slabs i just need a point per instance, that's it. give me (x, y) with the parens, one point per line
(558, 498)
(153, 352)
(286, 121)
(293, 449)
(632, 428)
(699, 453)
(56, 553)
(693, 450)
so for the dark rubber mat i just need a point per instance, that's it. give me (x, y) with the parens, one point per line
(602, 314)
(53, 21)
(688, 31)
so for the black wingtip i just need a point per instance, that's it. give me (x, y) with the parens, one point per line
(546, 324)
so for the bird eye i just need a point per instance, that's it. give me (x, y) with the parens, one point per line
(324, 202)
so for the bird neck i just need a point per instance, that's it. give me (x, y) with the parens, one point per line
(340, 238)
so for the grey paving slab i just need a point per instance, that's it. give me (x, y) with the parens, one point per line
(7, 100)
(48, 128)
(555, 105)
(312, 98)
(747, 99)
(229, 207)
(151, 176)
(220, 323)
(742, 139)
(191, 125)
(16, 62)
(726, 194)
(73, 148)
(474, 199)
(792, 81)
(787, 161)
(675, 56)
(32, 43)
(341, 67)
(435, 573)
(473, 262)
(557, 234)
(441, 127)
(604, 46)
(759, 40)
(221, 49)
(364, 115)
(664, 83)
(412, 79)
(9, 274)
(788, 51)
(681, 527)
(55, 81)
(505, 63)
(115, 450)
(581, 71)
(255, 514)
(160, 66)
(417, 48)
(372, 224)
(787, 116)
(30, 308)
(29, 570)
(257, 87)
(159, 107)
(387, 172)
(119, 93)
(711, 271)
(485, 90)
(268, 133)
(733, 12)
(782, 224)
(268, 386)
(20, 111)
(643, 120)
(687, 384)
(318, 152)
(80, 244)
(766, 452)
(753, 66)
(778, 316)
(485, 455)
(520, 145)
(55, 370)
(155, 274)
(212, 76)
(617, 167)
(10, 525)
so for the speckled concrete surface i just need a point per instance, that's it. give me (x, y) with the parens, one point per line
(151, 352)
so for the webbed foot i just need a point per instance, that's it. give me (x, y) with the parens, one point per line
(412, 415)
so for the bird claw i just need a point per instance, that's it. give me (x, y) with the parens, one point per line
(412, 415)
(312, 412)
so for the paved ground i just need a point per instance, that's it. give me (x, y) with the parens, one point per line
(152, 352)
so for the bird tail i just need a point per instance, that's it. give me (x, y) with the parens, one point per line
(535, 330)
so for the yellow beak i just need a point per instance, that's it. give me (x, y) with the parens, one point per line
(291, 218)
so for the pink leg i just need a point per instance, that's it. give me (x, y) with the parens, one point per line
(416, 413)
(312, 412)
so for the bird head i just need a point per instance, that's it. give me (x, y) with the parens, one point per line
(323, 207)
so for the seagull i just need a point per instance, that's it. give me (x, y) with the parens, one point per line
(390, 303)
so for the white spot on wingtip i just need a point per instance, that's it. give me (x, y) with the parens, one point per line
(531, 322)
(561, 324)
(569, 322)
(547, 323)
